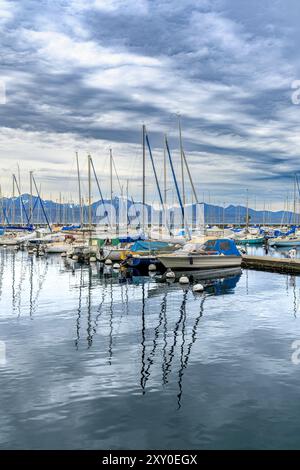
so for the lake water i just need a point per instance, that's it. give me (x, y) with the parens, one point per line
(90, 359)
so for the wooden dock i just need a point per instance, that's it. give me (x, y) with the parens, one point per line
(266, 263)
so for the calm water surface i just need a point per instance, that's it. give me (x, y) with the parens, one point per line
(95, 360)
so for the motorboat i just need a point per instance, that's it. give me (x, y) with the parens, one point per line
(211, 254)
(285, 241)
(250, 239)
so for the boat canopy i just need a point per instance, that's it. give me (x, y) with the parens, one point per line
(17, 228)
(148, 246)
(131, 238)
(70, 227)
(223, 246)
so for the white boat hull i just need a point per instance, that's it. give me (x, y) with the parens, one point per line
(198, 262)
(57, 249)
(8, 242)
(116, 254)
(291, 242)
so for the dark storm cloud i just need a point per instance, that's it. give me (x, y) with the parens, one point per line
(99, 71)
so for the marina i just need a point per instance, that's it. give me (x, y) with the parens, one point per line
(149, 231)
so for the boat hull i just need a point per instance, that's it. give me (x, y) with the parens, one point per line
(115, 254)
(143, 262)
(287, 243)
(250, 241)
(8, 242)
(56, 249)
(198, 262)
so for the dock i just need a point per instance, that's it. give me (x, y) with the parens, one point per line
(267, 263)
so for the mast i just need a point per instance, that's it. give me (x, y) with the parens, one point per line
(247, 213)
(90, 195)
(144, 174)
(111, 184)
(295, 199)
(2, 208)
(31, 206)
(60, 212)
(110, 174)
(13, 202)
(79, 191)
(185, 225)
(127, 195)
(41, 202)
(181, 161)
(21, 206)
(165, 184)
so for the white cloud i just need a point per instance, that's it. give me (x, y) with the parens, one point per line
(6, 11)
(60, 49)
(178, 56)
(137, 7)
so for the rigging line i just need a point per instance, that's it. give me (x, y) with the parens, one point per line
(22, 202)
(154, 170)
(41, 202)
(177, 188)
(190, 176)
(100, 192)
(118, 179)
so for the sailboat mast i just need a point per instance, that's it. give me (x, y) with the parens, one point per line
(295, 199)
(21, 208)
(31, 206)
(2, 208)
(181, 161)
(111, 185)
(13, 201)
(247, 212)
(144, 173)
(165, 185)
(79, 191)
(110, 173)
(90, 195)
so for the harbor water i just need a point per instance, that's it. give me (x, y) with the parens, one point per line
(95, 359)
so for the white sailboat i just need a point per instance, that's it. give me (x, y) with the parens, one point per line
(292, 239)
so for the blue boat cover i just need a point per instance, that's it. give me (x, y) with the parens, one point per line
(131, 238)
(223, 245)
(28, 228)
(148, 246)
(71, 227)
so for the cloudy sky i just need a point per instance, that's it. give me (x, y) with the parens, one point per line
(84, 76)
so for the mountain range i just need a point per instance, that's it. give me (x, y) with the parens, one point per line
(16, 210)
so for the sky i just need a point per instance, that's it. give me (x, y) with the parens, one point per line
(85, 76)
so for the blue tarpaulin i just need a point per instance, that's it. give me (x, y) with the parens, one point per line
(28, 228)
(131, 238)
(225, 246)
(148, 246)
(71, 227)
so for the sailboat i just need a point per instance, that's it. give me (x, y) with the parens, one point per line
(248, 236)
(291, 238)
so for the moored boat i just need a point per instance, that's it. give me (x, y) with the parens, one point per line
(250, 239)
(285, 241)
(211, 254)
